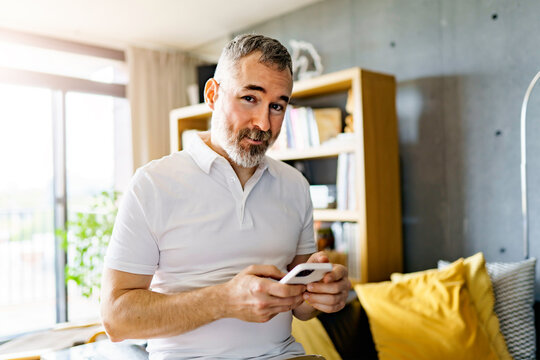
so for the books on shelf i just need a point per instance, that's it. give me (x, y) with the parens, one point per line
(346, 241)
(340, 244)
(305, 127)
(350, 233)
(345, 182)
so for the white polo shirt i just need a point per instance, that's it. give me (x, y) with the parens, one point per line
(186, 220)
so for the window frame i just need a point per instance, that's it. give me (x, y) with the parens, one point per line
(60, 86)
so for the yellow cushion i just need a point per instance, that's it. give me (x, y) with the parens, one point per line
(481, 290)
(314, 338)
(428, 316)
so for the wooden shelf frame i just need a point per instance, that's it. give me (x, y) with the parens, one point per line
(332, 215)
(318, 152)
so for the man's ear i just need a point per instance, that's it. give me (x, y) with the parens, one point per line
(211, 92)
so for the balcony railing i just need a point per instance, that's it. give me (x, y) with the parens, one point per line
(27, 290)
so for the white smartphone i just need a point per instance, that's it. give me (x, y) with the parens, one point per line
(306, 273)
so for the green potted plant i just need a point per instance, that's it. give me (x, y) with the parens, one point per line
(86, 240)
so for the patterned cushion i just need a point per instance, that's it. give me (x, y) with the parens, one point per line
(513, 285)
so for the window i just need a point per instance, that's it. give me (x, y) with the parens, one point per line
(64, 137)
(23, 57)
(91, 124)
(26, 209)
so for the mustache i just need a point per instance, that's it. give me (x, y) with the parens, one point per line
(255, 134)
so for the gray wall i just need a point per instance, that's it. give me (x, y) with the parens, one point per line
(462, 68)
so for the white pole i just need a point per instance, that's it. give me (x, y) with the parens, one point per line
(524, 194)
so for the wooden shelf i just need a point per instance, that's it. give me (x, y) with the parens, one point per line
(326, 84)
(193, 117)
(312, 153)
(199, 111)
(335, 215)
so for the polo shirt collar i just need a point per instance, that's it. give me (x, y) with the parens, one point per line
(204, 156)
(269, 164)
(201, 153)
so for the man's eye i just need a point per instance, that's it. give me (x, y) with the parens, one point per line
(248, 98)
(276, 107)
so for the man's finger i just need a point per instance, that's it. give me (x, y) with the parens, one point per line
(289, 304)
(282, 290)
(271, 301)
(318, 257)
(324, 299)
(338, 272)
(331, 288)
(290, 301)
(280, 309)
(264, 271)
(328, 308)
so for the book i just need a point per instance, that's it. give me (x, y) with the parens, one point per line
(35, 345)
(299, 128)
(351, 181)
(342, 180)
(350, 233)
(305, 127)
(328, 122)
(281, 142)
(289, 130)
(340, 244)
(312, 128)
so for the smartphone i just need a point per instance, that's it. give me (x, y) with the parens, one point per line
(306, 273)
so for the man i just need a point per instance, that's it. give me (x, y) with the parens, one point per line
(203, 235)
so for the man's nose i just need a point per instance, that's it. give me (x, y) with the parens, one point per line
(261, 119)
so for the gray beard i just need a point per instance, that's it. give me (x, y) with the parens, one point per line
(244, 157)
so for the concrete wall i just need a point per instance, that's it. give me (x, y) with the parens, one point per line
(211, 51)
(462, 68)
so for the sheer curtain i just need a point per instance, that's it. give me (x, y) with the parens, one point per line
(157, 84)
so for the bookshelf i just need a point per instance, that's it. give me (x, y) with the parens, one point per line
(377, 214)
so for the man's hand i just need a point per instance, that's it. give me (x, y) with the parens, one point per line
(253, 295)
(330, 294)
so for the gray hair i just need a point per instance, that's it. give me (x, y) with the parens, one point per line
(272, 53)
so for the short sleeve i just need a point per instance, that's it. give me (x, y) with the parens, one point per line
(133, 247)
(306, 243)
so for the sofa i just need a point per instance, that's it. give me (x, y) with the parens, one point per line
(351, 337)
(504, 291)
